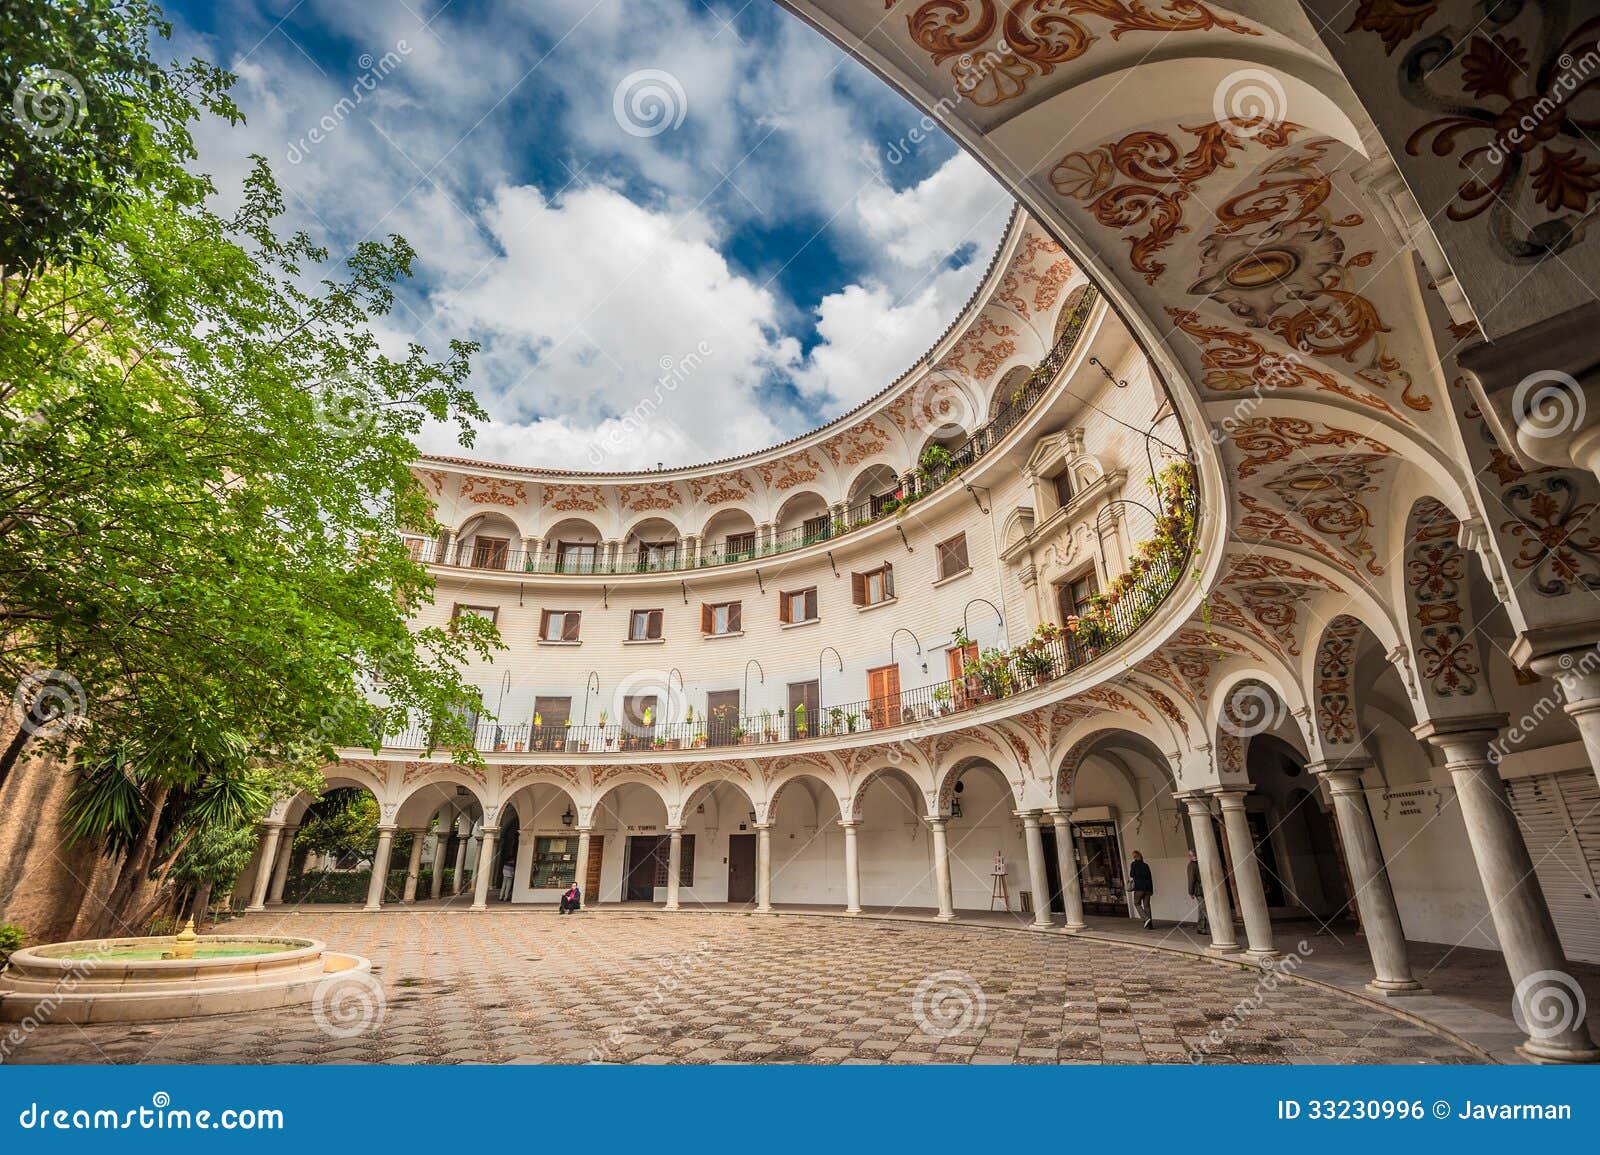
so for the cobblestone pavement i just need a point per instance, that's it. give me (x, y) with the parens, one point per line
(649, 987)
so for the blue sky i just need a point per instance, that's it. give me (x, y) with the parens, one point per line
(598, 190)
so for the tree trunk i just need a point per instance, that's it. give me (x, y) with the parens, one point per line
(13, 749)
(202, 903)
(135, 870)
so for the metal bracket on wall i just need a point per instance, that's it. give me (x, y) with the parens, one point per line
(831, 565)
(519, 593)
(760, 585)
(685, 588)
(902, 532)
(972, 494)
(605, 597)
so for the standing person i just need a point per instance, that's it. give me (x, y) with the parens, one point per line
(1197, 891)
(508, 875)
(1143, 886)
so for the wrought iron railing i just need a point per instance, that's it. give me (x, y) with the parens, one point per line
(911, 488)
(998, 674)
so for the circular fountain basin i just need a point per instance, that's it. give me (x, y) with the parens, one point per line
(136, 980)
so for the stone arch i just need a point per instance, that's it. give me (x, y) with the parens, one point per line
(1010, 382)
(919, 795)
(945, 797)
(1084, 739)
(601, 803)
(705, 788)
(426, 787)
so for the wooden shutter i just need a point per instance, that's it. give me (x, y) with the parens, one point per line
(1560, 819)
(544, 624)
(858, 588)
(811, 603)
(953, 555)
(888, 582)
(705, 617)
(735, 623)
(569, 626)
(784, 616)
(653, 629)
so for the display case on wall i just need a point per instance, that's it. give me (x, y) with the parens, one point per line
(555, 863)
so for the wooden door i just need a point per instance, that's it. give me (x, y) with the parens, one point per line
(722, 717)
(963, 688)
(489, 552)
(804, 694)
(741, 868)
(883, 688)
(643, 852)
(591, 869)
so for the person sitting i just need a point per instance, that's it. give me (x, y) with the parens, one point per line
(572, 899)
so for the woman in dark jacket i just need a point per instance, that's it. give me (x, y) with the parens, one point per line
(572, 900)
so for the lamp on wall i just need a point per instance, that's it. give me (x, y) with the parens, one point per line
(567, 816)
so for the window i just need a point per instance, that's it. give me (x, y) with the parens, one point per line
(685, 864)
(555, 863)
(952, 556)
(417, 549)
(720, 618)
(741, 546)
(644, 625)
(798, 606)
(872, 587)
(722, 717)
(957, 658)
(550, 717)
(575, 557)
(559, 625)
(489, 552)
(807, 695)
(883, 692)
(1075, 595)
(490, 612)
(1063, 484)
(658, 555)
(638, 721)
(815, 529)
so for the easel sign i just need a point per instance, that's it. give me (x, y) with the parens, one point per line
(999, 892)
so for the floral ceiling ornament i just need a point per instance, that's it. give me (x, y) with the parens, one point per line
(1436, 571)
(1047, 282)
(786, 473)
(1327, 492)
(1526, 115)
(569, 498)
(1261, 522)
(1266, 440)
(1236, 362)
(1335, 682)
(1558, 534)
(1144, 180)
(493, 491)
(1038, 35)
(1394, 21)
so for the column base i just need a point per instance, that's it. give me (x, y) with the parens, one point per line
(671, 906)
(1545, 1053)
(1074, 927)
(1043, 924)
(945, 917)
(1263, 955)
(857, 910)
(763, 910)
(1229, 951)
(1396, 989)
(255, 910)
(370, 909)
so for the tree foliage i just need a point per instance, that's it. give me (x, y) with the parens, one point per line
(205, 454)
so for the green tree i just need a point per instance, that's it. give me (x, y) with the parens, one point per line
(216, 856)
(204, 454)
(343, 823)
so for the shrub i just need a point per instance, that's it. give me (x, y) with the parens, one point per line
(12, 937)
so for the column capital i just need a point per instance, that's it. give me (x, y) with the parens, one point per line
(1334, 769)
(1059, 813)
(1231, 797)
(1195, 800)
(1462, 739)
(763, 825)
(382, 828)
(849, 823)
(1026, 815)
(675, 831)
(272, 824)
(937, 821)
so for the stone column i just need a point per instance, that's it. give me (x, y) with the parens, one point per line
(764, 867)
(941, 868)
(1212, 880)
(1247, 874)
(1522, 919)
(380, 868)
(674, 863)
(1363, 857)
(1038, 878)
(1578, 673)
(270, 833)
(441, 849)
(413, 866)
(1067, 864)
(480, 877)
(581, 876)
(458, 878)
(280, 873)
(852, 868)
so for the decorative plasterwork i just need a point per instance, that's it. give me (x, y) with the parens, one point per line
(494, 491)
(787, 472)
(1335, 710)
(649, 496)
(975, 354)
(857, 443)
(1329, 494)
(721, 489)
(1266, 440)
(574, 498)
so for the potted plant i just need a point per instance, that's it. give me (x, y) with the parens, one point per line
(800, 720)
(835, 719)
(936, 462)
(739, 735)
(941, 699)
(851, 720)
(769, 731)
(1036, 663)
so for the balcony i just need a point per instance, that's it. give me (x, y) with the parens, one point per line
(913, 487)
(994, 675)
